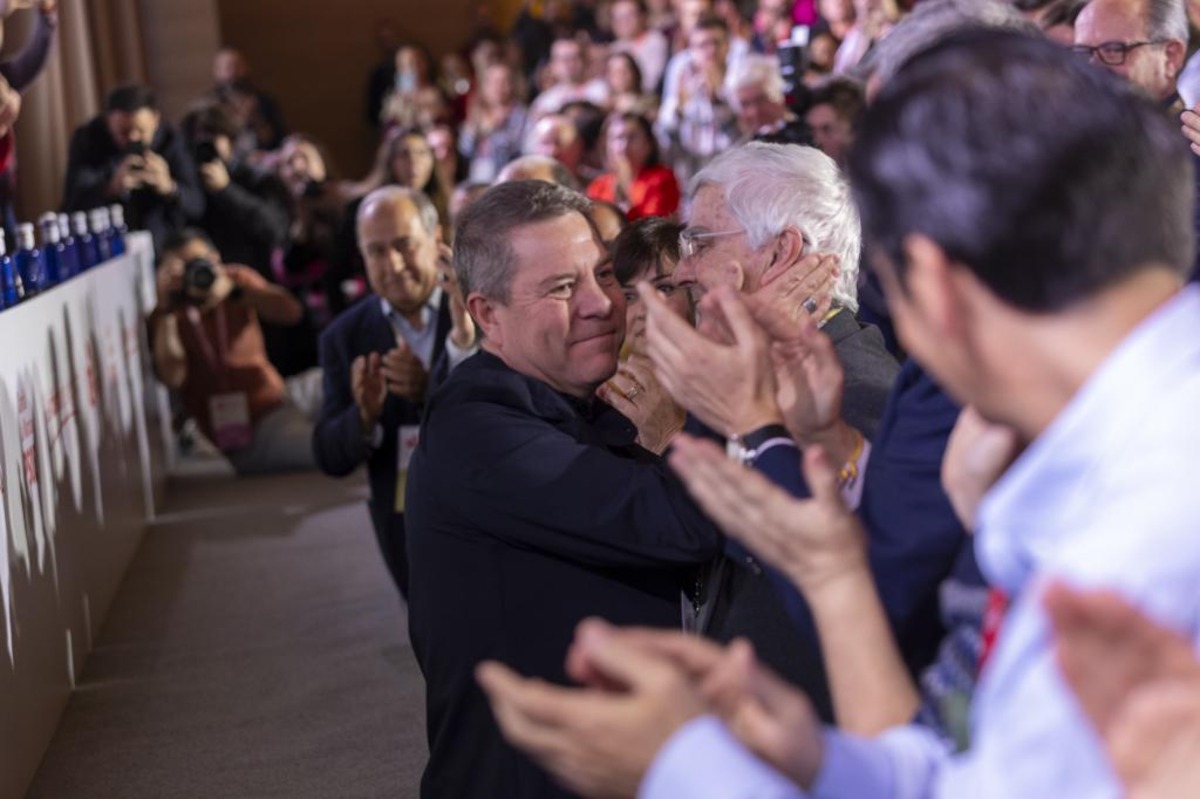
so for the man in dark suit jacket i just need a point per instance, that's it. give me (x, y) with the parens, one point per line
(129, 155)
(531, 506)
(759, 213)
(379, 356)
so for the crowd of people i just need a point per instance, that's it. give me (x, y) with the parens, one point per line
(763, 399)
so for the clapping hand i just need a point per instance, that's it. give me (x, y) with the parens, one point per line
(813, 541)
(405, 374)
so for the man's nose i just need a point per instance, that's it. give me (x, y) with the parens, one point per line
(593, 301)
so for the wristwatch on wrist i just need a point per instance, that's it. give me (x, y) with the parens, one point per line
(745, 448)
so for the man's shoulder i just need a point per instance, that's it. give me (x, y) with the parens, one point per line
(485, 384)
(351, 322)
(861, 348)
(92, 134)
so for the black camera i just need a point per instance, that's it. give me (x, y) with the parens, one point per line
(199, 275)
(205, 152)
(313, 188)
(135, 148)
(793, 63)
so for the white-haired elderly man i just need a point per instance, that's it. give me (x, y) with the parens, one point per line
(755, 90)
(764, 217)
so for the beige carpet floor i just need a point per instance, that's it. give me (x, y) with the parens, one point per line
(256, 649)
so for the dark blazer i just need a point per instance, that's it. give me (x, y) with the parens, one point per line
(339, 442)
(90, 165)
(528, 511)
(746, 601)
(914, 537)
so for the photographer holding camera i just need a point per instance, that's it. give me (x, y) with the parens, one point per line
(245, 210)
(246, 215)
(129, 155)
(208, 346)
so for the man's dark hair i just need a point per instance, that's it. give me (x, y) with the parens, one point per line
(641, 6)
(208, 121)
(588, 120)
(712, 22)
(129, 99)
(846, 97)
(179, 238)
(1046, 209)
(484, 260)
(644, 247)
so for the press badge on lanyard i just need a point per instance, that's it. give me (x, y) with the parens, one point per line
(410, 436)
(228, 411)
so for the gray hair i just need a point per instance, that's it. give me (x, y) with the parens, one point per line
(753, 69)
(390, 195)
(770, 187)
(537, 167)
(484, 260)
(930, 22)
(1166, 19)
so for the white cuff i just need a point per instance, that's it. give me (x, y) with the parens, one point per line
(702, 760)
(456, 354)
(852, 492)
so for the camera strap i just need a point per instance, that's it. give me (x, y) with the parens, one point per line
(215, 357)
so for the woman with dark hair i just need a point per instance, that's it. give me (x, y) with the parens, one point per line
(315, 204)
(448, 163)
(404, 159)
(410, 163)
(646, 251)
(624, 79)
(635, 179)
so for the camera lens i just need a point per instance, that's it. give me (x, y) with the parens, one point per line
(199, 275)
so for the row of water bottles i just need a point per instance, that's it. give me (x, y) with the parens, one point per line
(71, 244)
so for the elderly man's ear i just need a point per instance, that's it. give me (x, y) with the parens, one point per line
(788, 250)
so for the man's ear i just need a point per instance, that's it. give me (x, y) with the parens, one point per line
(483, 311)
(933, 293)
(1176, 56)
(787, 251)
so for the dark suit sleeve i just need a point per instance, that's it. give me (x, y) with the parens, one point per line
(913, 534)
(263, 218)
(88, 173)
(544, 490)
(338, 442)
(190, 197)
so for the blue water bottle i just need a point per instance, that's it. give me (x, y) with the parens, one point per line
(53, 250)
(99, 220)
(11, 287)
(29, 262)
(85, 243)
(71, 265)
(116, 213)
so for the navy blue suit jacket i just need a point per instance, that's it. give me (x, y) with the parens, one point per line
(914, 536)
(339, 441)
